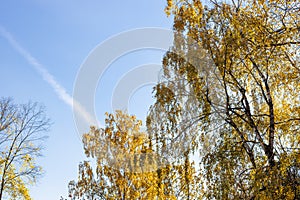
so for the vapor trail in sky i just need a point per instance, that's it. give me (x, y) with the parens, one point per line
(41, 69)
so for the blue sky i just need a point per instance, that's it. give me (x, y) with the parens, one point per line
(60, 35)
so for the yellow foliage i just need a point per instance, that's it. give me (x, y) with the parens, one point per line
(231, 82)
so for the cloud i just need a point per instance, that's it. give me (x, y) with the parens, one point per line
(41, 69)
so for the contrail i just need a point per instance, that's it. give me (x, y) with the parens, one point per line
(59, 90)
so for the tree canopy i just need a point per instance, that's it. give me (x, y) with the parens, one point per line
(231, 82)
(129, 169)
(226, 118)
(22, 129)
